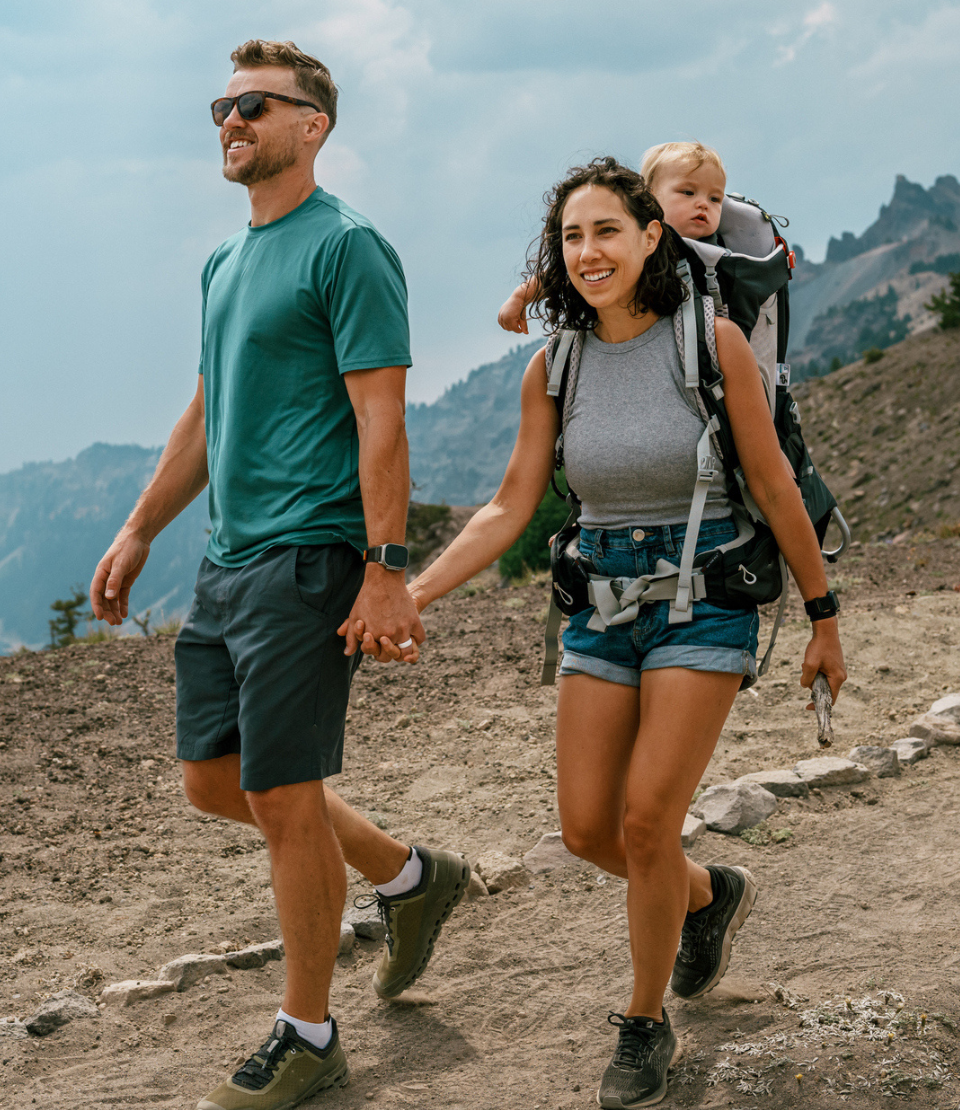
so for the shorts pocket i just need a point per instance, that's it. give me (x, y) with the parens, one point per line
(327, 578)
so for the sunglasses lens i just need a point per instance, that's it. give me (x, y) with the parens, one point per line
(250, 105)
(221, 109)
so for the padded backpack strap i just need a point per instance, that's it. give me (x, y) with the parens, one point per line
(688, 328)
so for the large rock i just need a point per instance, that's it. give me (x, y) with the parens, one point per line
(501, 872)
(883, 762)
(476, 888)
(732, 807)
(348, 938)
(831, 770)
(909, 749)
(548, 853)
(784, 784)
(936, 728)
(948, 706)
(255, 955)
(184, 971)
(366, 921)
(60, 1008)
(134, 990)
(693, 828)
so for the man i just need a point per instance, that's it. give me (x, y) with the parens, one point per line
(299, 411)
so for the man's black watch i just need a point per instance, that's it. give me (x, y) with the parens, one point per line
(393, 556)
(821, 608)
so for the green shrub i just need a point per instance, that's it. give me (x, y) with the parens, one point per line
(872, 354)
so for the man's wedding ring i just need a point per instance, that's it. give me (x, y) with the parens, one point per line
(405, 644)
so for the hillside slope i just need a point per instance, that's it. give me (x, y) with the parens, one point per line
(885, 437)
(57, 519)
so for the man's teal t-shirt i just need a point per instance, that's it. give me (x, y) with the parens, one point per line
(288, 308)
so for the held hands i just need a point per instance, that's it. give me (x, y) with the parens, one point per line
(115, 574)
(384, 621)
(824, 654)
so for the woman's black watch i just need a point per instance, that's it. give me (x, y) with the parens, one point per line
(393, 556)
(821, 608)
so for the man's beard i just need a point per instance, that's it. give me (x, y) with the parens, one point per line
(263, 165)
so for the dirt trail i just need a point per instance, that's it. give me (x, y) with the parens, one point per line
(106, 874)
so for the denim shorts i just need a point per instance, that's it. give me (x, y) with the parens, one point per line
(260, 667)
(715, 640)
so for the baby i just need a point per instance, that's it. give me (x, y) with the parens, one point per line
(688, 179)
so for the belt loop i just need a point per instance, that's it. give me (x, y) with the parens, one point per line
(668, 543)
(598, 544)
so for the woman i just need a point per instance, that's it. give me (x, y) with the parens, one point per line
(640, 706)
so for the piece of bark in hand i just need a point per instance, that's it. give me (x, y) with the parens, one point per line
(822, 703)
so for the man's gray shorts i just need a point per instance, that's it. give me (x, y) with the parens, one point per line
(261, 669)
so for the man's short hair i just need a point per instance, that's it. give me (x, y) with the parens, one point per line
(691, 155)
(311, 75)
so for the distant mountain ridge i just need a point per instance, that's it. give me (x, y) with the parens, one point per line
(906, 251)
(460, 444)
(56, 521)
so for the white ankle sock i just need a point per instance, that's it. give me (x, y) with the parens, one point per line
(409, 877)
(317, 1033)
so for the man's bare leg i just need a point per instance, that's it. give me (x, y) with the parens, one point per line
(213, 785)
(309, 885)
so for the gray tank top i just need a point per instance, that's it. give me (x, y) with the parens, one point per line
(630, 444)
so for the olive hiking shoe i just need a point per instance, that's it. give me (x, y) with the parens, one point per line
(281, 1073)
(414, 919)
(637, 1074)
(708, 934)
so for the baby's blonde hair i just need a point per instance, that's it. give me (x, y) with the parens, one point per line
(692, 154)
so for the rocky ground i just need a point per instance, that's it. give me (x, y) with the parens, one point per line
(844, 984)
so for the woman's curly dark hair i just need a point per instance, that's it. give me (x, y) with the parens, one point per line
(558, 303)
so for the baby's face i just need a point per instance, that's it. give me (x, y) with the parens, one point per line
(691, 199)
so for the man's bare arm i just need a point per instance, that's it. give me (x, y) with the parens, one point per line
(383, 605)
(180, 475)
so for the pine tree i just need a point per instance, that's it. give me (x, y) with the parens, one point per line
(63, 628)
(947, 304)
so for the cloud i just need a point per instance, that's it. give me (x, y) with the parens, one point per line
(814, 21)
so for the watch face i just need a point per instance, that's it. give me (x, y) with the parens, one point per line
(395, 556)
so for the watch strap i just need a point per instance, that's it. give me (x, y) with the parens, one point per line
(393, 556)
(822, 608)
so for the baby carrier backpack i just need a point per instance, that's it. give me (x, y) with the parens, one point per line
(744, 276)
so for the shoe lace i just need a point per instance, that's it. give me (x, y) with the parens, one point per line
(259, 1069)
(380, 902)
(692, 937)
(636, 1038)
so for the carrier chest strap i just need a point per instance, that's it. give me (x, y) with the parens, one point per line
(618, 600)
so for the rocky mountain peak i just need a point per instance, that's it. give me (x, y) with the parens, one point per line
(911, 210)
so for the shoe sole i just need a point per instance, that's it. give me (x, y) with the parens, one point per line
(614, 1103)
(742, 912)
(456, 897)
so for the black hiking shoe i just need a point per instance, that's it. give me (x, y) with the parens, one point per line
(414, 919)
(707, 934)
(281, 1074)
(637, 1074)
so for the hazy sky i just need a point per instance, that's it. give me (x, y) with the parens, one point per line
(454, 119)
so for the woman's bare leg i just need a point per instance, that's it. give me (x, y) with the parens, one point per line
(597, 726)
(681, 715)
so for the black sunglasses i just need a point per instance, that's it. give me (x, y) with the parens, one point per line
(250, 105)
